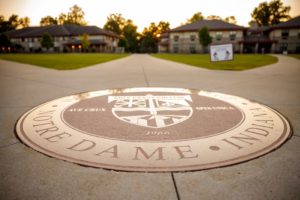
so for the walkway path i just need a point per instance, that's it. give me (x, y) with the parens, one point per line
(26, 174)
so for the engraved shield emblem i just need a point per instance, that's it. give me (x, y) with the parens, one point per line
(152, 111)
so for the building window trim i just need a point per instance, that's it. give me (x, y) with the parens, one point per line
(192, 38)
(285, 34)
(193, 48)
(176, 38)
(232, 35)
(176, 48)
(219, 36)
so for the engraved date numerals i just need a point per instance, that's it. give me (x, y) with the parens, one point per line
(158, 133)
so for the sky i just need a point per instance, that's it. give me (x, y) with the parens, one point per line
(140, 11)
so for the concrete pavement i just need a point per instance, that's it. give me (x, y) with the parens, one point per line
(26, 174)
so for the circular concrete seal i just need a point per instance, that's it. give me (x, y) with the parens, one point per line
(153, 129)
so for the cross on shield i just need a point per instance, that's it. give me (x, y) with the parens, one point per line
(152, 111)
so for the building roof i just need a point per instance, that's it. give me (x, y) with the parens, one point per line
(59, 30)
(212, 25)
(292, 23)
(259, 29)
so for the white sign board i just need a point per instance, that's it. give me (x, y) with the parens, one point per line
(221, 52)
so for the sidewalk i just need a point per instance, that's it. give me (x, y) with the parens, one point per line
(26, 174)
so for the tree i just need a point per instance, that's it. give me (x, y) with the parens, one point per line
(48, 20)
(270, 13)
(5, 26)
(149, 39)
(163, 27)
(62, 19)
(47, 41)
(150, 36)
(13, 23)
(74, 16)
(204, 38)
(230, 19)
(130, 34)
(2, 19)
(24, 22)
(123, 42)
(212, 17)
(4, 40)
(85, 41)
(196, 17)
(126, 29)
(115, 23)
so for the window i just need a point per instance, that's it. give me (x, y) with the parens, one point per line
(219, 35)
(283, 47)
(176, 38)
(192, 48)
(232, 35)
(175, 48)
(284, 34)
(193, 38)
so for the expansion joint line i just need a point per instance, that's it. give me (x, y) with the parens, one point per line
(145, 76)
(175, 186)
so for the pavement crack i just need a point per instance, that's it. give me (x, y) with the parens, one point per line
(175, 186)
(9, 145)
(145, 76)
(296, 135)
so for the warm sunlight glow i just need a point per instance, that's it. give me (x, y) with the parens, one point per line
(141, 12)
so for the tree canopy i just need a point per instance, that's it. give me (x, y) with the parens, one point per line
(131, 35)
(47, 41)
(270, 13)
(204, 38)
(126, 29)
(230, 19)
(84, 38)
(4, 40)
(74, 16)
(13, 22)
(130, 39)
(197, 16)
(211, 17)
(150, 36)
(115, 23)
(48, 20)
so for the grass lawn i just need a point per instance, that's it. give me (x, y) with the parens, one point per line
(62, 61)
(240, 62)
(295, 55)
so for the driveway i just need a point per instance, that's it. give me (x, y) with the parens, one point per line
(26, 174)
